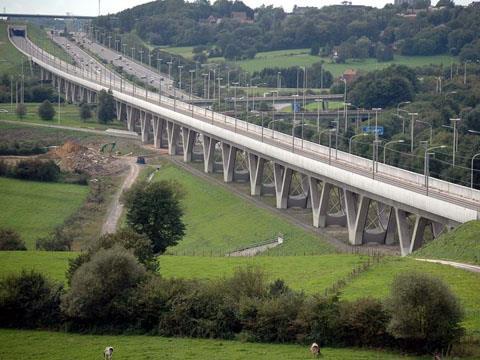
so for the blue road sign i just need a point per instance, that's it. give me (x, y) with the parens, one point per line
(371, 129)
(296, 107)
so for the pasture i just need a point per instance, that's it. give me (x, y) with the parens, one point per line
(66, 115)
(45, 345)
(11, 59)
(218, 221)
(35, 208)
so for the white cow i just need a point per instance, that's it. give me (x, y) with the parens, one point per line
(107, 354)
(315, 350)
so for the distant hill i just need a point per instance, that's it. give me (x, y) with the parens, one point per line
(236, 31)
(461, 244)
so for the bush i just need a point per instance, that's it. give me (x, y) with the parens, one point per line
(425, 314)
(101, 290)
(106, 107)
(46, 110)
(139, 244)
(364, 323)
(37, 170)
(21, 110)
(10, 240)
(85, 112)
(59, 240)
(29, 300)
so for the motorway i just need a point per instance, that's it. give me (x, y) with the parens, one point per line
(280, 141)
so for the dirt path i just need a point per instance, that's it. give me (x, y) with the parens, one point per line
(116, 207)
(463, 266)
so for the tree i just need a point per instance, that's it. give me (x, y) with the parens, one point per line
(21, 110)
(46, 110)
(424, 312)
(154, 209)
(101, 289)
(11, 240)
(106, 107)
(85, 112)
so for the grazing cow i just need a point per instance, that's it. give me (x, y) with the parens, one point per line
(315, 350)
(107, 354)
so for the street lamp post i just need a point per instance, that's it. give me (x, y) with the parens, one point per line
(473, 158)
(318, 118)
(376, 142)
(431, 128)
(398, 115)
(180, 67)
(388, 143)
(294, 119)
(345, 102)
(376, 121)
(191, 88)
(455, 139)
(427, 163)
(235, 84)
(412, 127)
(351, 140)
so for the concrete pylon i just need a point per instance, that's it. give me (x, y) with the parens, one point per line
(356, 208)
(158, 125)
(319, 200)
(208, 153)
(255, 168)
(228, 160)
(283, 178)
(130, 118)
(418, 233)
(188, 141)
(145, 119)
(404, 232)
(118, 110)
(173, 132)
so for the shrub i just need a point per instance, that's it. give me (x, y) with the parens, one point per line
(37, 170)
(101, 290)
(425, 314)
(247, 282)
(29, 300)
(139, 244)
(363, 323)
(85, 112)
(21, 110)
(318, 321)
(59, 240)
(106, 107)
(10, 240)
(74, 264)
(46, 110)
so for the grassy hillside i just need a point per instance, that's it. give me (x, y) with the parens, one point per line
(69, 116)
(10, 58)
(44, 345)
(309, 273)
(461, 244)
(466, 285)
(35, 208)
(220, 221)
(39, 37)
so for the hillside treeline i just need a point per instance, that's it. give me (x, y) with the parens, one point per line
(354, 31)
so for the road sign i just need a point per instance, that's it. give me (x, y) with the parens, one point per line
(371, 129)
(296, 107)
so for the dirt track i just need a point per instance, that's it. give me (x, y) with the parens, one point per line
(116, 207)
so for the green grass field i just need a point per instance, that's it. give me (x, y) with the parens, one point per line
(302, 57)
(461, 244)
(69, 116)
(39, 37)
(10, 58)
(35, 208)
(220, 221)
(44, 345)
(184, 51)
(465, 285)
(307, 273)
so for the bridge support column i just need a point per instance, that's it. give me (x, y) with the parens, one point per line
(229, 154)
(173, 131)
(356, 211)
(255, 168)
(282, 178)
(145, 119)
(118, 110)
(319, 201)
(130, 118)
(418, 233)
(437, 229)
(188, 141)
(158, 125)
(208, 153)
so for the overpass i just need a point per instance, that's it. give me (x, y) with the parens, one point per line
(45, 16)
(375, 202)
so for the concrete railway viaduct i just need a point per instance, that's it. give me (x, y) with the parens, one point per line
(375, 202)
